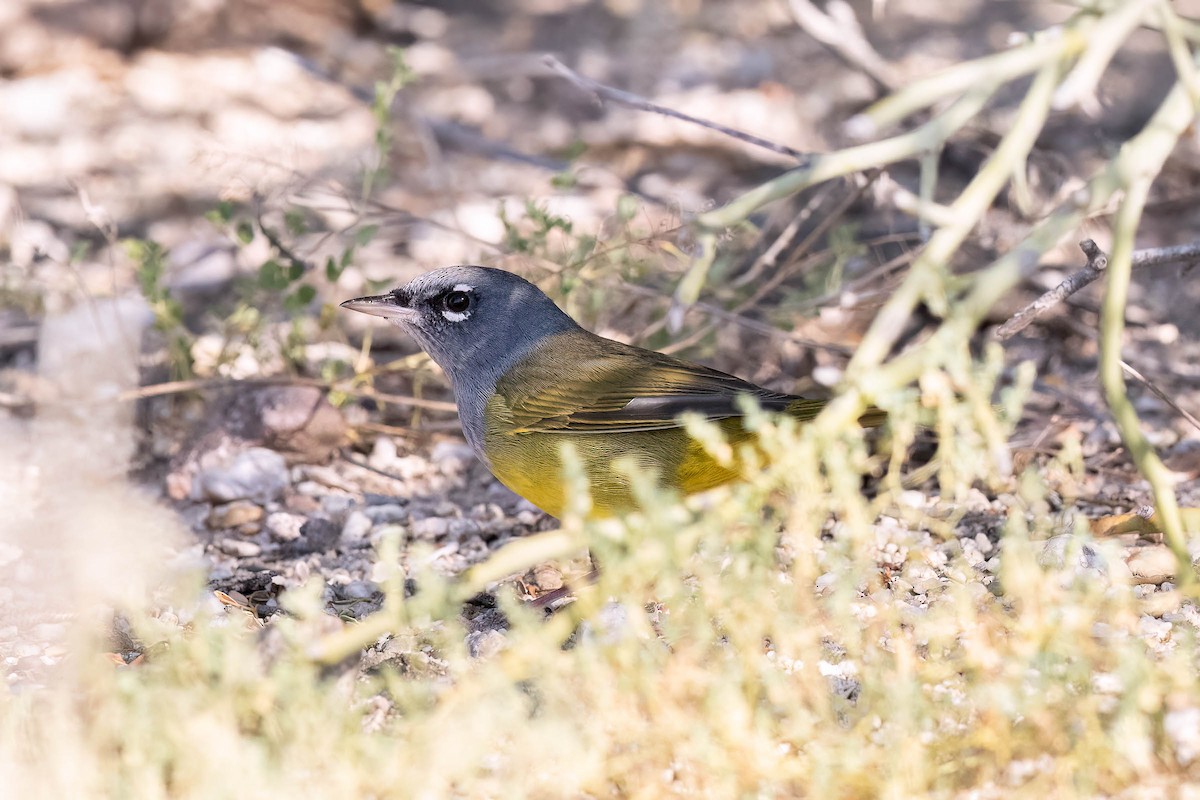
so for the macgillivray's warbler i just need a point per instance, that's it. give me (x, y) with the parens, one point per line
(526, 378)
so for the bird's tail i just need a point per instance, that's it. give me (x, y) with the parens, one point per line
(873, 417)
(805, 410)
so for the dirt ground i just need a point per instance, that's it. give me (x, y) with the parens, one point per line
(136, 120)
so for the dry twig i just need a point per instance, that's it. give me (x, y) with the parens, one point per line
(1096, 264)
(843, 35)
(630, 100)
(1159, 393)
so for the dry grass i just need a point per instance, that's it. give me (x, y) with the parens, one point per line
(789, 637)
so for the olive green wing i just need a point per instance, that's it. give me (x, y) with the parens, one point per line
(596, 385)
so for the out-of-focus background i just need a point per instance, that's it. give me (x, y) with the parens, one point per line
(188, 188)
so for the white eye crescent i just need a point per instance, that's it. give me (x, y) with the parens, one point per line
(456, 303)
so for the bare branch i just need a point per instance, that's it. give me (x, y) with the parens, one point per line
(844, 36)
(630, 100)
(1160, 394)
(1096, 264)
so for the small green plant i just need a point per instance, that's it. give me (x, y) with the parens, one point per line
(381, 108)
(150, 261)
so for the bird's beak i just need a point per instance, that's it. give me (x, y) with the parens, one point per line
(381, 305)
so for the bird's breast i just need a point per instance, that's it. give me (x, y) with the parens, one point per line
(531, 464)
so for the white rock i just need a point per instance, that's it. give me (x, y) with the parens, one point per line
(431, 527)
(239, 547)
(1153, 564)
(383, 454)
(284, 526)
(1183, 729)
(453, 454)
(254, 474)
(356, 527)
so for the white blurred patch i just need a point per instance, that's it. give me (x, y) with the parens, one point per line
(86, 536)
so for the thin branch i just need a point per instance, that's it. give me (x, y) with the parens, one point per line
(208, 384)
(825, 166)
(630, 100)
(285, 251)
(1160, 394)
(990, 71)
(821, 168)
(1143, 153)
(845, 38)
(1096, 264)
(402, 400)
(1103, 42)
(970, 206)
(924, 209)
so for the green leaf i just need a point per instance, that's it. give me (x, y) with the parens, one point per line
(271, 275)
(245, 232)
(295, 271)
(627, 207)
(365, 234)
(300, 298)
(293, 220)
(564, 180)
(333, 270)
(80, 251)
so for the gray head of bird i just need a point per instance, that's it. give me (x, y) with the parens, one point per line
(475, 322)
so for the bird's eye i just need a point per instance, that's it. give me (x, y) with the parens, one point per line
(456, 302)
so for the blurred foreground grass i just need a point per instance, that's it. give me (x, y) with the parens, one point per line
(787, 637)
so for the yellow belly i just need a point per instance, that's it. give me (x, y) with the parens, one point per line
(530, 464)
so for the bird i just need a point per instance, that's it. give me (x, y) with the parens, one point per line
(526, 378)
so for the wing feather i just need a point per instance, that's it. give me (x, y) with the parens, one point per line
(613, 387)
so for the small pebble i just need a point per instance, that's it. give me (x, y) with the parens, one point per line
(235, 514)
(455, 455)
(547, 577)
(356, 527)
(1153, 564)
(327, 476)
(283, 526)
(302, 504)
(431, 527)
(383, 454)
(528, 517)
(463, 527)
(319, 534)
(482, 644)
(1183, 730)
(253, 474)
(487, 512)
(360, 590)
(239, 547)
(386, 513)
(336, 506)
